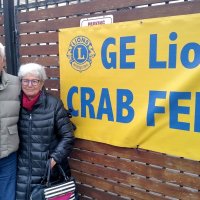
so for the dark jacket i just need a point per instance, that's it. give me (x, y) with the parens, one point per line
(44, 132)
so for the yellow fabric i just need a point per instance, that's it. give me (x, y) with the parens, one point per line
(136, 83)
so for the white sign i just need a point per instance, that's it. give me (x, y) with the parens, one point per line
(92, 21)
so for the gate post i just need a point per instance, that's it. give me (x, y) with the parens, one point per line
(10, 37)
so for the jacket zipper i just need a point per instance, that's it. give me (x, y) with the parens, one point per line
(29, 155)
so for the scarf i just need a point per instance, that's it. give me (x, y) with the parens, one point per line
(27, 103)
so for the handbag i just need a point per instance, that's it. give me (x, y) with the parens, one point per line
(64, 190)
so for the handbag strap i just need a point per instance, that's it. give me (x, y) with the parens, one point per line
(63, 173)
(48, 173)
(44, 178)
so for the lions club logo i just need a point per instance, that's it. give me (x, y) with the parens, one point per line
(80, 53)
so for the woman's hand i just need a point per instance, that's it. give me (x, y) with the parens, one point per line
(53, 162)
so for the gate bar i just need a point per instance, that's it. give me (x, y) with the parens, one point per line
(10, 37)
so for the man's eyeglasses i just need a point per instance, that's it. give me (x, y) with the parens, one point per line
(33, 82)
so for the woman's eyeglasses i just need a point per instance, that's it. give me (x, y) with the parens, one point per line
(33, 82)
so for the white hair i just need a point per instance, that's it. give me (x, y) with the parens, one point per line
(2, 51)
(34, 69)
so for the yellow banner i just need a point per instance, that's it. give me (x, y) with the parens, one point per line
(135, 84)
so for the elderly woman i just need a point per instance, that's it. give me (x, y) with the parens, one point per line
(45, 131)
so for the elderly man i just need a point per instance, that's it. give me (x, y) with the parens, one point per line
(9, 141)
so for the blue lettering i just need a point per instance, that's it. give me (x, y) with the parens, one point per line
(87, 97)
(152, 108)
(153, 63)
(185, 55)
(73, 90)
(124, 52)
(172, 50)
(175, 110)
(112, 55)
(197, 113)
(105, 99)
(124, 105)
